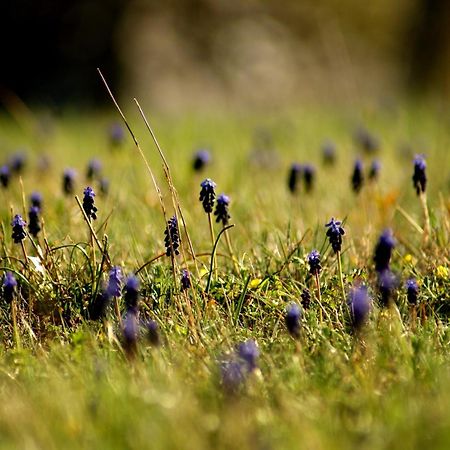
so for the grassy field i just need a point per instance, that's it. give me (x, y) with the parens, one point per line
(71, 382)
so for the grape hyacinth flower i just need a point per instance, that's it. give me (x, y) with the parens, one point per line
(201, 159)
(360, 305)
(383, 251)
(232, 374)
(34, 225)
(292, 319)
(116, 134)
(328, 153)
(207, 195)
(387, 282)
(153, 333)
(419, 176)
(334, 234)
(88, 203)
(309, 175)
(314, 263)
(131, 295)
(185, 280)
(172, 237)
(412, 291)
(248, 352)
(68, 181)
(93, 169)
(306, 298)
(114, 288)
(5, 176)
(104, 185)
(36, 199)
(374, 170)
(17, 162)
(131, 331)
(9, 287)
(99, 306)
(18, 229)
(357, 176)
(222, 214)
(294, 177)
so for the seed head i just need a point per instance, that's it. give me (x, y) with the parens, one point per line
(201, 159)
(172, 237)
(360, 305)
(357, 176)
(222, 214)
(294, 177)
(18, 229)
(34, 225)
(69, 181)
(292, 319)
(36, 199)
(334, 234)
(309, 175)
(412, 291)
(131, 295)
(383, 251)
(185, 280)
(114, 288)
(5, 176)
(419, 176)
(88, 203)
(314, 262)
(248, 352)
(207, 195)
(9, 287)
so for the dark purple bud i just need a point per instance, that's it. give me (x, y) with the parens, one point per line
(98, 308)
(412, 291)
(153, 333)
(207, 195)
(201, 159)
(131, 295)
(328, 153)
(185, 280)
(367, 141)
(233, 375)
(18, 229)
(334, 234)
(294, 177)
(93, 169)
(36, 199)
(5, 176)
(248, 352)
(419, 177)
(306, 298)
(131, 331)
(309, 176)
(357, 176)
(374, 170)
(314, 262)
(222, 214)
(116, 134)
(387, 282)
(114, 288)
(383, 251)
(360, 305)
(88, 203)
(17, 162)
(69, 181)
(34, 225)
(9, 287)
(172, 237)
(292, 319)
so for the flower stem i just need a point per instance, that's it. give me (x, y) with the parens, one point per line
(341, 277)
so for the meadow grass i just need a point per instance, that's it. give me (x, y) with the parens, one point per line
(67, 381)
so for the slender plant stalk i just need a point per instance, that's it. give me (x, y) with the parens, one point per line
(427, 226)
(319, 297)
(341, 277)
(17, 342)
(230, 250)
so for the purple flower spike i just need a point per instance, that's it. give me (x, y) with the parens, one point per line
(131, 331)
(248, 351)
(306, 298)
(419, 177)
(172, 237)
(18, 229)
(309, 176)
(383, 251)
(387, 282)
(116, 134)
(34, 225)
(114, 288)
(292, 319)
(201, 159)
(93, 169)
(36, 199)
(222, 214)
(294, 177)
(412, 291)
(207, 195)
(360, 305)
(185, 280)
(357, 176)
(334, 234)
(233, 375)
(374, 170)
(5, 176)
(9, 287)
(131, 296)
(88, 203)
(17, 162)
(69, 181)
(314, 262)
